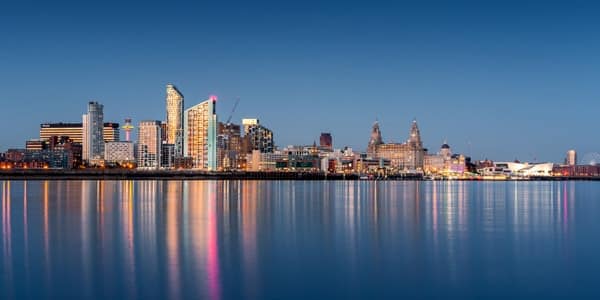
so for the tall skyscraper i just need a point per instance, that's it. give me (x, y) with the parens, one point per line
(93, 136)
(200, 138)
(174, 126)
(149, 145)
(571, 159)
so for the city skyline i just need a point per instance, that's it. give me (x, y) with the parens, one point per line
(517, 87)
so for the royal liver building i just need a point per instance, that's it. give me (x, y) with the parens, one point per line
(402, 156)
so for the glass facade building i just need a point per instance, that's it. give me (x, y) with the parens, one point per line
(174, 123)
(93, 135)
(200, 135)
(75, 131)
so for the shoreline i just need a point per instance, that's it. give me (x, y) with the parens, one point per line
(124, 174)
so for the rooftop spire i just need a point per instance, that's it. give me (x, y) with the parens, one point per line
(415, 134)
(375, 139)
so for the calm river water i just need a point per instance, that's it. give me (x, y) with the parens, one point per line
(299, 239)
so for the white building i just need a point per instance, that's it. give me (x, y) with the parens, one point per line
(516, 169)
(571, 159)
(119, 152)
(149, 145)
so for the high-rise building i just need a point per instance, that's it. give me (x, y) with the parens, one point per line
(257, 137)
(93, 135)
(229, 145)
(74, 131)
(167, 156)
(247, 123)
(174, 134)
(163, 132)
(326, 141)
(571, 159)
(200, 138)
(149, 145)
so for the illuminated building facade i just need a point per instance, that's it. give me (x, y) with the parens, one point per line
(36, 145)
(375, 140)
(571, 159)
(174, 123)
(75, 131)
(229, 145)
(247, 123)
(200, 138)
(257, 137)
(92, 133)
(402, 156)
(119, 152)
(149, 145)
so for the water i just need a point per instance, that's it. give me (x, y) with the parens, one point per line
(298, 239)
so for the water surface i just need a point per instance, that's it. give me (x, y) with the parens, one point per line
(298, 239)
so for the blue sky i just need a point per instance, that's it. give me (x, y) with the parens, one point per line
(497, 79)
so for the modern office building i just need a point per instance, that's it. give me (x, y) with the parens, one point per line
(75, 131)
(119, 153)
(571, 159)
(36, 145)
(92, 133)
(257, 137)
(326, 141)
(111, 132)
(229, 145)
(149, 145)
(163, 132)
(174, 130)
(247, 123)
(200, 138)
(167, 156)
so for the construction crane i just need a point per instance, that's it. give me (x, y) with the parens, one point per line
(233, 110)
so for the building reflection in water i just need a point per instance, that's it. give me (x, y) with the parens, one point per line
(7, 270)
(189, 237)
(173, 205)
(248, 227)
(125, 189)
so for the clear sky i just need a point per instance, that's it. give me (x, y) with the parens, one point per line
(497, 79)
